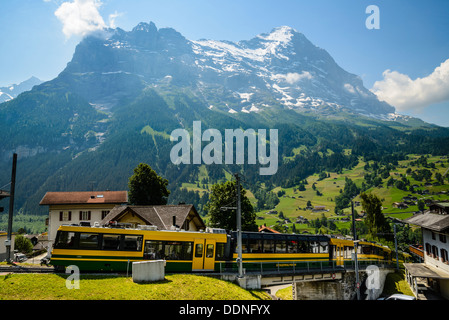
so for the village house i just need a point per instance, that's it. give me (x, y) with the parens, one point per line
(435, 237)
(400, 205)
(164, 217)
(76, 207)
(104, 208)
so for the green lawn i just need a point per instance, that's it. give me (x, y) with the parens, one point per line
(110, 287)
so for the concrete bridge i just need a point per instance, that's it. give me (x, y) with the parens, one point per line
(323, 282)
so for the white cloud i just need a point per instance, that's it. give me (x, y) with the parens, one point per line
(406, 94)
(292, 78)
(112, 18)
(80, 17)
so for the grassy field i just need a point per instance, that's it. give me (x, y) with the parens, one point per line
(294, 202)
(110, 287)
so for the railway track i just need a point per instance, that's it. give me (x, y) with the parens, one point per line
(20, 269)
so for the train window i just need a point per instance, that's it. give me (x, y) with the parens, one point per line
(255, 245)
(89, 240)
(199, 250)
(153, 250)
(245, 247)
(303, 247)
(324, 248)
(220, 252)
(176, 250)
(314, 247)
(268, 246)
(281, 247)
(210, 251)
(65, 240)
(292, 246)
(366, 249)
(348, 251)
(132, 243)
(111, 241)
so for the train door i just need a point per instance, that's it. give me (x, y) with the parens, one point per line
(209, 257)
(203, 255)
(198, 255)
(339, 255)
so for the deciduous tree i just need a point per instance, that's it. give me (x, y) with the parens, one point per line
(224, 195)
(146, 187)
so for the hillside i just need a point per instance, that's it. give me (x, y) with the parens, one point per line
(388, 187)
(121, 96)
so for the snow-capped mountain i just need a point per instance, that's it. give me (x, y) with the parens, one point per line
(288, 67)
(280, 68)
(12, 91)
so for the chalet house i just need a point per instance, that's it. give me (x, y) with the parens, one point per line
(164, 217)
(400, 205)
(435, 236)
(439, 207)
(319, 208)
(79, 206)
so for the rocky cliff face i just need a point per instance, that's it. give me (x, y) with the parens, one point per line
(279, 68)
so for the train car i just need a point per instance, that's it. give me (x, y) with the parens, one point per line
(370, 252)
(103, 249)
(106, 249)
(278, 251)
(367, 252)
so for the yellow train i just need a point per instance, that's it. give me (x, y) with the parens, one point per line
(367, 252)
(102, 249)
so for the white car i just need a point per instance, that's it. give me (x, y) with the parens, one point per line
(20, 257)
(398, 296)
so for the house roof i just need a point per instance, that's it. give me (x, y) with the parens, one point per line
(4, 194)
(440, 204)
(432, 221)
(267, 229)
(85, 197)
(160, 216)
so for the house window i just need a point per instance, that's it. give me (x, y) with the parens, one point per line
(433, 236)
(84, 215)
(65, 215)
(104, 213)
(435, 252)
(444, 256)
(443, 238)
(428, 249)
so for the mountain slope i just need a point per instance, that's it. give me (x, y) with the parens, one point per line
(123, 93)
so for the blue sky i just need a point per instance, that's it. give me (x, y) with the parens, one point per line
(403, 61)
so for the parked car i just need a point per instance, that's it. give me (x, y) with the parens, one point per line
(20, 257)
(398, 296)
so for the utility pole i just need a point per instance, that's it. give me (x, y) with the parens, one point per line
(396, 247)
(354, 233)
(239, 227)
(11, 208)
(395, 244)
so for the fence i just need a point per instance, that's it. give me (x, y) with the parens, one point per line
(270, 267)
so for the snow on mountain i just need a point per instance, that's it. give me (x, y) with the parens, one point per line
(287, 66)
(10, 92)
(281, 68)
